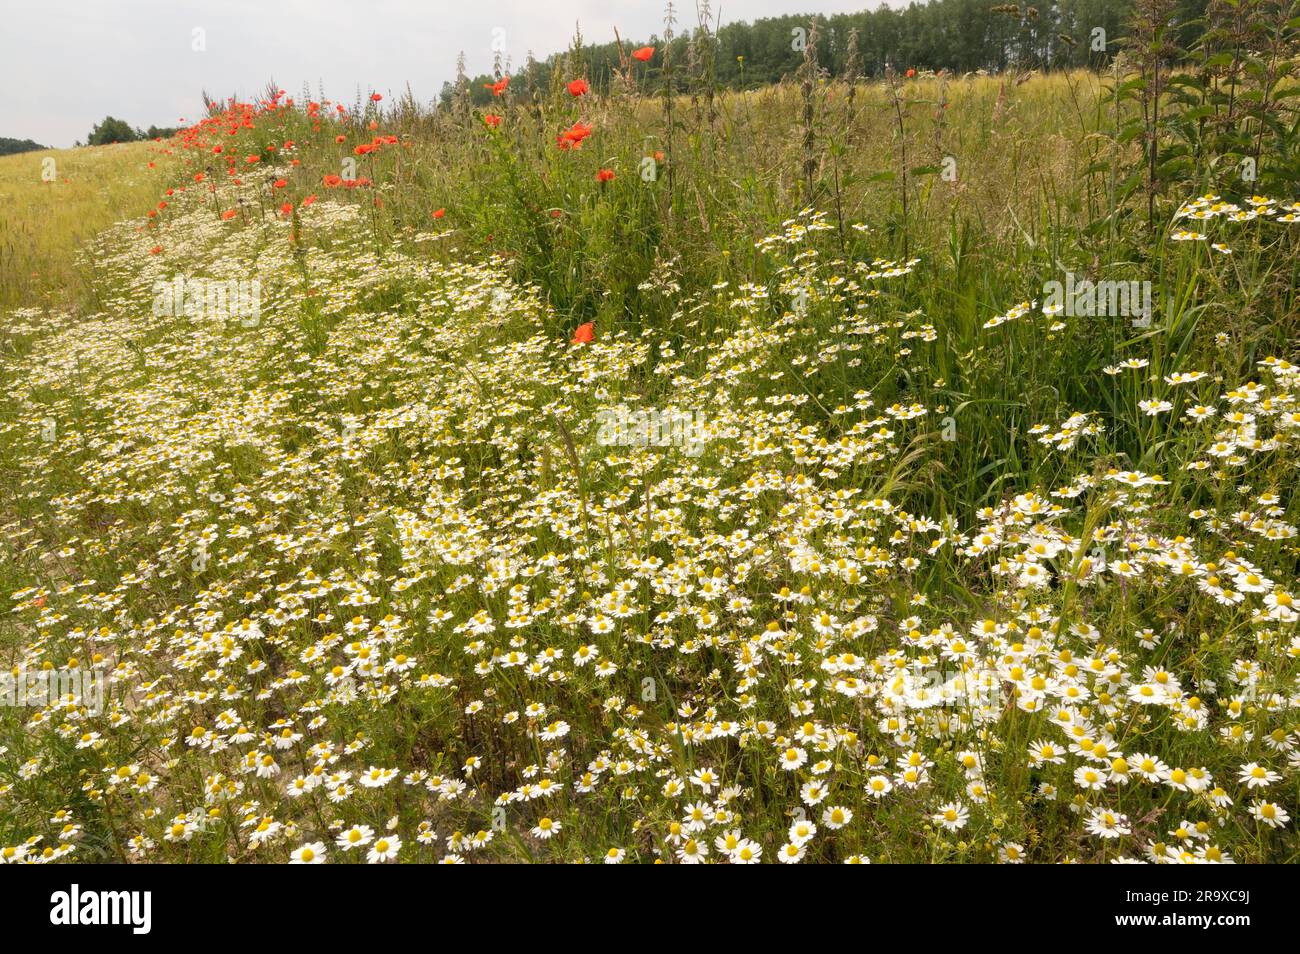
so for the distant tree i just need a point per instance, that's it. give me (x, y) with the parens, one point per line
(112, 130)
(10, 146)
(957, 35)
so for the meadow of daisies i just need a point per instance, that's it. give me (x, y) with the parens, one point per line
(701, 478)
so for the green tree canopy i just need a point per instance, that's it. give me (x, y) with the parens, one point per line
(10, 146)
(112, 130)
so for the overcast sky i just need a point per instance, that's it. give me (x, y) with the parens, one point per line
(66, 64)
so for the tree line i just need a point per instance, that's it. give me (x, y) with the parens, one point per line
(9, 147)
(111, 130)
(955, 35)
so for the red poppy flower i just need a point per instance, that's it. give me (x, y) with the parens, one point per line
(332, 181)
(604, 175)
(375, 97)
(499, 86)
(584, 333)
(644, 54)
(572, 137)
(340, 138)
(229, 214)
(308, 201)
(286, 209)
(439, 213)
(281, 183)
(578, 87)
(911, 73)
(155, 250)
(492, 120)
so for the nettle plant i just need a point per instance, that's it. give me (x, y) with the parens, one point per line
(1215, 113)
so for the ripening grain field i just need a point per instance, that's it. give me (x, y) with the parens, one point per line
(614, 478)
